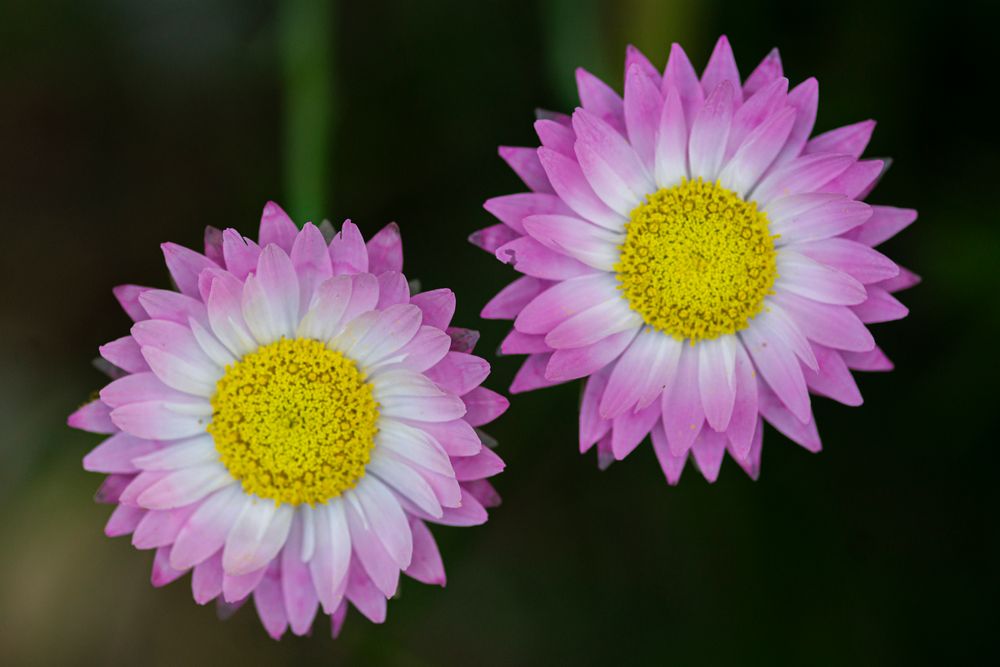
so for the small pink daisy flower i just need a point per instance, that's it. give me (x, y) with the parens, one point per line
(695, 255)
(287, 422)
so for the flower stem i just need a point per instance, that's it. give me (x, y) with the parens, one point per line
(305, 41)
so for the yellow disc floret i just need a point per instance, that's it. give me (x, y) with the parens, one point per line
(294, 421)
(697, 261)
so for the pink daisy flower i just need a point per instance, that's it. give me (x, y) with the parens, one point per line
(287, 422)
(694, 254)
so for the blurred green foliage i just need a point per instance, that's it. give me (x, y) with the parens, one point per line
(127, 124)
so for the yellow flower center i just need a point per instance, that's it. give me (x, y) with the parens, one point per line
(294, 421)
(697, 261)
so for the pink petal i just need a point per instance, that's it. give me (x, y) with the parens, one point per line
(880, 306)
(163, 573)
(874, 360)
(311, 261)
(556, 136)
(634, 58)
(94, 417)
(744, 420)
(405, 482)
(857, 260)
(459, 373)
(808, 278)
(679, 75)
(483, 406)
(470, 512)
(126, 354)
(716, 380)
(532, 258)
(631, 428)
(833, 326)
(512, 298)
(766, 72)
(173, 306)
(206, 530)
(780, 368)
(128, 298)
(456, 438)
(236, 588)
(256, 537)
(532, 374)
(385, 250)
(762, 106)
(512, 209)
(708, 449)
(269, 603)
(612, 167)
(858, 179)
(671, 156)
(671, 465)
(683, 415)
(427, 347)
(213, 245)
(833, 378)
(330, 562)
(757, 152)
(297, 590)
(800, 175)
(592, 426)
(393, 290)
(564, 300)
(571, 236)
(426, 566)
(115, 454)
(750, 462)
(710, 132)
(641, 373)
(599, 99)
(905, 280)
(437, 306)
(375, 562)
(123, 520)
(722, 67)
(821, 222)
(594, 324)
(577, 362)
(492, 237)
(206, 581)
(643, 103)
(276, 227)
(802, 432)
(240, 254)
(159, 528)
(525, 163)
(571, 185)
(484, 464)
(885, 222)
(182, 487)
(522, 343)
(348, 251)
(804, 98)
(366, 596)
(185, 266)
(848, 140)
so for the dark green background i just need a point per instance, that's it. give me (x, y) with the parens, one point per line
(125, 124)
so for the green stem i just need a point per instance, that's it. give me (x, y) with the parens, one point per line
(305, 42)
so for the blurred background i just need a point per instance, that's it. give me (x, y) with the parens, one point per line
(125, 124)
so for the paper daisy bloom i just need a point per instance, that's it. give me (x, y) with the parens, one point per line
(694, 254)
(287, 422)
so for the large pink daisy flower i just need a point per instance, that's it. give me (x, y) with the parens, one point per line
(287, 422)
(694, 254)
